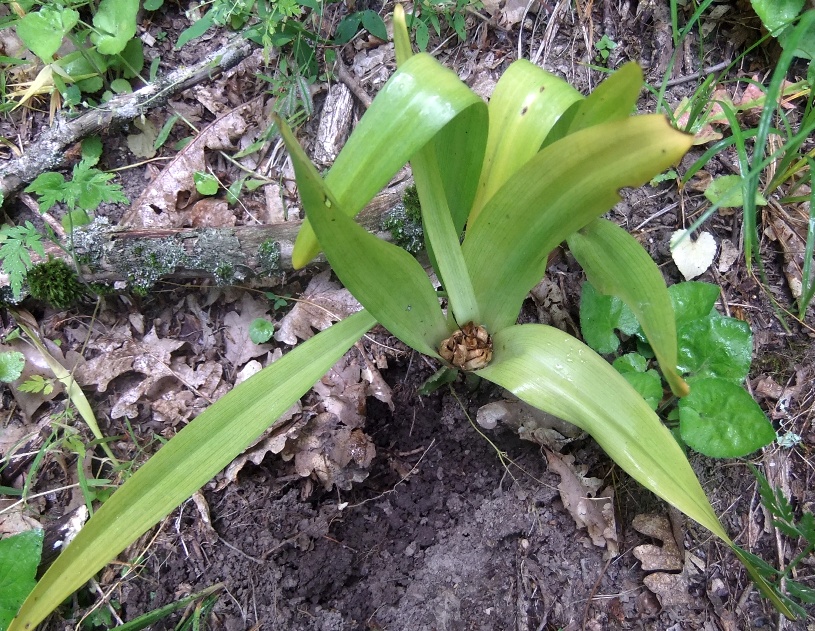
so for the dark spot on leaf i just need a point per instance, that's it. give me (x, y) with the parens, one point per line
(543, 87)
(524, 111)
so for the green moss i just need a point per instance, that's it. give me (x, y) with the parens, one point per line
(405, 231)
(269, 257)
(55, 283)
(413, 208)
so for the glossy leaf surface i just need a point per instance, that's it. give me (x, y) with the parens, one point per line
(386, 279)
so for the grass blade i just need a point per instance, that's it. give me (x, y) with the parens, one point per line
(187, 462)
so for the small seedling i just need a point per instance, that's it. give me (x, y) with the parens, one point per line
(604, 46)
(260, 330)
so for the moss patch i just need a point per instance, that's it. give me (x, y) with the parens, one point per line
(55, 283)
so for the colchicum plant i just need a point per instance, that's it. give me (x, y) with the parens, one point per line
(535, 167)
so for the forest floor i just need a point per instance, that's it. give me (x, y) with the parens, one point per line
(443, 525)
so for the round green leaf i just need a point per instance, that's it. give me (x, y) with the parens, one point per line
(260, 330)
(727, 192)
(648, 384)
(205, 183)
(716, 347)
(692, 300)
(42, 32)
(11, 366)
(721, 420)
(19, 557)
(630, 362)
(600, 315)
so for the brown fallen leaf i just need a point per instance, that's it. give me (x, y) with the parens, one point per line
(669, 579)
(323, 303)
(239, 346)
(166, 201)
(590, 510)
(794, 246)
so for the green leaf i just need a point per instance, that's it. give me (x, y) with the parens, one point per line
(205, 183)
(553, 195)
(600, 315)
(49, 187)
(92, 149)
(721, 420)
(115, 23)
(726, 191)
(347, 28)
(777, 14)
(42, 32)
(89, 187)
(618, 265)
(630, 362)
(74, 219)
(121, 86)
(526, 103)
(260, 330)
(187, 461)
(391, 284)
(153, 5)
(549, 369)
(419, 99)
(19, 558)
(374, 24)
(692, 301)
(648, 384)
(716, 346)
(16, 243)
(11, 366)
(197, 29)
(162, 136)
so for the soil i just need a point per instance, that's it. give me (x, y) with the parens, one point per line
(456, 527)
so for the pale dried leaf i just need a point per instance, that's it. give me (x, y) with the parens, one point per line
(322, 304)
(173, 190)
(35, 365)
(692, 257)
(588, 509)
(239, 346)
(653, 557)
(531, 423)
(793, 246)
(143, 145)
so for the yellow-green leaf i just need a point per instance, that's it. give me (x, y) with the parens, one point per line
(616, 264)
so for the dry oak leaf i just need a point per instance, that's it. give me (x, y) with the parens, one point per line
(671, 586)
(172, 192)
(590, 510)
(323, 303)
(239, 346)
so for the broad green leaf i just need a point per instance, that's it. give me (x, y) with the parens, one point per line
(614, 99)
(692, 300)
(42, 32)
(401, 37)
(419, 99)
(648, 384)
(777, 14)
(553, 195)
(721, 420)
(187, 462)
(374, 24)
(19, 558)
(442, 237)
(616, 264)
(115, 23)
(600, 316)
(205, 183)
(551, 370)
(630, 362)
(726, 192)
(716, 346)
(386, 280)
(526, 103)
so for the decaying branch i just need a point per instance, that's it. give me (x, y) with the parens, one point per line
(138, 257)
(47, 151)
